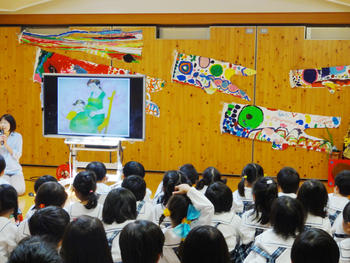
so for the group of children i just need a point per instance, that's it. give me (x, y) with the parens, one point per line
(188, 220)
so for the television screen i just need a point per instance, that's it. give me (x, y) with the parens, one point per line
(94, 105)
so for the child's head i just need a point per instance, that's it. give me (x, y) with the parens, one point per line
(119, 206)
(84, 187)
(346, 218)
(50, 223)
(314, 246)
(50, 193)
(85, 241)
(264, 192)
(99, 169)
(178, 207)
(250, 173)
(342, 182)
(314, 197)
(2, 165)
(141, 242)
(221, 197)
(43, 179)
(288, 179)
(137, 185)
(133, 168)
(287, 216)
(204, 244)
(191, 173)
(170, 180)
(8, 201)
(210, 175)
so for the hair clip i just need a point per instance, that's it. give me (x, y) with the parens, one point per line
(166, 212)
(245, 177)
(42, 206)
(91, 192)
(269, 181)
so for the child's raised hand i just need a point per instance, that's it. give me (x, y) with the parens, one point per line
(182, 189)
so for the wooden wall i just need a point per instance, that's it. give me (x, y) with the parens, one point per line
(188, 128)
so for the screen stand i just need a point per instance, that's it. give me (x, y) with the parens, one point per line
(93, 144)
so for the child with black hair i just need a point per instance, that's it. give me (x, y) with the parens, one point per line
(119, 210)
(137, 185)
(288, 181)
(274, 245)
(210, 175)
(314, 246)
(314, 197)
(8, 208)
(49, 223)
(186, 208)
(243, 198)
(141, 242)
(102, 189)
(84, 187)
(344, 243)
(2, 170)
(220, 195)
(340, 197)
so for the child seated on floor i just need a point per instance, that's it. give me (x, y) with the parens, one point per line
(2, 170)
(210, 176)
(344, 244)
(102, 189)
(288, 182)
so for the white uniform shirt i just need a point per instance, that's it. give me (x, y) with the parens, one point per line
(338, 231)
(292, 195)
(12, 160)
(22, 230)
(158, 193)
(30, 212)
(77, 209)
(335, 206)
(102, 191)
(344, 249)
(7, 238)
(313, 221)
(238, 201)
(3, 181)
(158, 211)
(146, 211)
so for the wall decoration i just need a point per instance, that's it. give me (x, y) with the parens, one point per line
(117, 44)
(346, 152)
(281, 128)
(209, 74)
(333, 78)
(49, 62)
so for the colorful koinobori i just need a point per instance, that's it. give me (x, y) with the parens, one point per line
(282, 128)
(117, 44)
(209, 74)
(48, 62)
(332, 78)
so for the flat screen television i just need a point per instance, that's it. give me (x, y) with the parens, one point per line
(96, 106)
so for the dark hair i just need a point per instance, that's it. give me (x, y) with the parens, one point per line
(346, 213)
(141, 242)
(50, 223)
(251, 172)
(85, 184)
(204, 244)
(8, 199)
(85, 241)
(11, 120)
(119, 206)
(178, 207)
(191, 173)
(288, 179)
(221, 197)
(265, 192)
(98, 168)
(314, 197)
(314, 246)
(170, 180)
(133, 168)
(95, 81)
(210, 175)
(43, 179)
(137, 185)
(342, 180)
(50, 193)
(34, 249)
(287, 216)
(2, 164)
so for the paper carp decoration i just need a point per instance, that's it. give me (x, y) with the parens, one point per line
(48, 62)
(209, 74)
(332, 78)
(117, 44)
(282, 128)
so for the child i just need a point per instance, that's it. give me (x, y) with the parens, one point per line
(344, 244)
(8, 208)
(274, 245)
(243, 198)
(187, 208)
(338, 199)
(204, 244)
(141, 242)
(314, 246)
(137, 185)
(288, 181)
(101, 188)
(314, 197)
(227, 222)
(119, 210)
(2, 170)
(85, 241)
(210, 175)
(84, 186)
